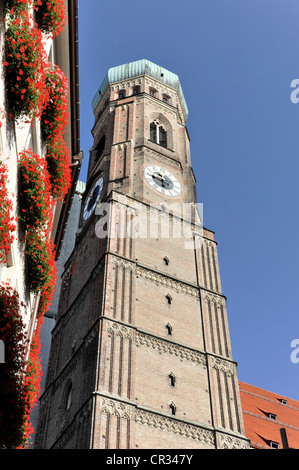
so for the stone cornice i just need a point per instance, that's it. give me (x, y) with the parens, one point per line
(153, 153)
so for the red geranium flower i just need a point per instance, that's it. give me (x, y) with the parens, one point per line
(7, 220)
(50, 16)
(25, 83)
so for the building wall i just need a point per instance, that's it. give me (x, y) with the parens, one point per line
(50, 316)
(17, 136)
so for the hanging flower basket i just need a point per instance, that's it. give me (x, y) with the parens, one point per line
(7, 220)
(35, 199)
(50, 16)
(34, 368)
(55, 114)
(58, 165)
(40, 260)
(16, 6)
(25, 68)
(13, 394)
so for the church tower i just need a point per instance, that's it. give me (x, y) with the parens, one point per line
(140, 355)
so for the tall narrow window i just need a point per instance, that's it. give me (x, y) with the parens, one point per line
(162, 137)
(172, 409)
(68, 398)
(153, 132)
(100, 148)
(168, 299)
(169, 329)
(158, 133)
(166, 261)
(171, 379)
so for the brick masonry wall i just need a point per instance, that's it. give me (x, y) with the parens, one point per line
(111, 340)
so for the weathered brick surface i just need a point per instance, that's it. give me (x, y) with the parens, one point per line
(128, 320)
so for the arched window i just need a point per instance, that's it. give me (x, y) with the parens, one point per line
(68, 395)
(166, 261)
(168, 299)
(136, 90)
(100, 148)
(121, 94)
(153, 92)
(168, 329)
(158, 133)
(171, 379)
(172, 408)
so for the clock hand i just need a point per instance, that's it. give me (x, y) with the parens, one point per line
(158, 176)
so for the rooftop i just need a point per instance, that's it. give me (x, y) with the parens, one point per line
(265, 413)
(134, 69)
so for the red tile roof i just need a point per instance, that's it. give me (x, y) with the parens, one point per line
(260, 428)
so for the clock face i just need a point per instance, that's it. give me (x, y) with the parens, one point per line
(93, 198)
(162, 181)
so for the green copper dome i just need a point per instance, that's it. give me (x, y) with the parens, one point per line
(140, 67)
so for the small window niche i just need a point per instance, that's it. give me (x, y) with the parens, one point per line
(172, 409)
(136, 90)
(166, 261)
(121, 94)
(171, 379)
(153, 92)
(168, 329)
(168, 299)
(68, 395)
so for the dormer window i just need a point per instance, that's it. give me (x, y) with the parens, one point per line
(158, 133)
(272, 416)
(274, 445)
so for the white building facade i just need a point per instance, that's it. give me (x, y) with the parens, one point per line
(24, 132)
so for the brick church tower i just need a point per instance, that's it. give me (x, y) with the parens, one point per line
(140, 355)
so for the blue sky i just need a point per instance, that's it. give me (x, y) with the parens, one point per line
(236, 60)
